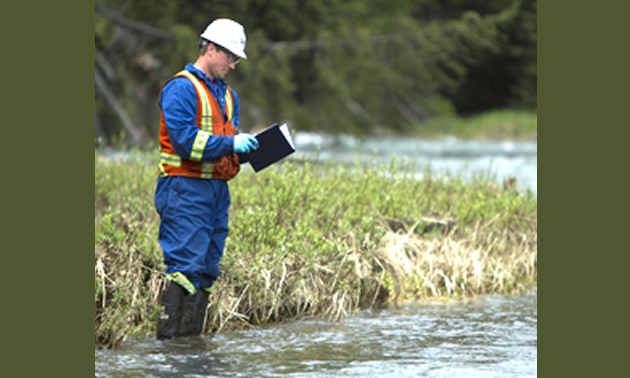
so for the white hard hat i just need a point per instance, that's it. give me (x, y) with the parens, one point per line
(227, 33)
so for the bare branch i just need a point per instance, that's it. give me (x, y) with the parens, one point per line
(133, 24)
(134, 131)
(104, 65)
(318, 44)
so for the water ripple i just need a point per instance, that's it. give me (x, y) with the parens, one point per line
(494, 336)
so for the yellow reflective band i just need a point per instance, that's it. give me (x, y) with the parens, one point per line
(182, 281)
(206, 109)
(229, 105)
(206, 113)
(163, 171)
(206, 170)
(199, 145)
(170, 159)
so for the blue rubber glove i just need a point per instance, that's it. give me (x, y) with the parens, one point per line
(244, 143)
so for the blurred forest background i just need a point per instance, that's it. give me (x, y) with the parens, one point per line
(362, 67)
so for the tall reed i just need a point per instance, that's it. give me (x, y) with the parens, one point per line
(316, 240)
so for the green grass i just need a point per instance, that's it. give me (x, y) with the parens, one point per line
(316, 240)
(497, 124)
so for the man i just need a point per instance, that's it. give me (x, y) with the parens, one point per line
(199, 143)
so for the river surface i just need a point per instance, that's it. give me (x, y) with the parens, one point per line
(499, 160)
(489, 336)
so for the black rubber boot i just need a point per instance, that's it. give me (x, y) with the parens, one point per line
(195, 312)
(171, 310)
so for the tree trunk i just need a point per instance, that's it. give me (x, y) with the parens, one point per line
(135, 132)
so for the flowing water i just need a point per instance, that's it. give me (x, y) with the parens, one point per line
(500, 160)
(489, 336)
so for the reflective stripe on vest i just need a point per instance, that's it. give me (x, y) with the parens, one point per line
(229, 105)
(206, 118)
(170, 159)
(176, 161)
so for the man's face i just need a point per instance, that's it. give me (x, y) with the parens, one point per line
(220, 61)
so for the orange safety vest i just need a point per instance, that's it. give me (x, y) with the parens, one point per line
(210, 121)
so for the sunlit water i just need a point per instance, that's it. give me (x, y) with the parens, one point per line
(500, 160)
(490, 336)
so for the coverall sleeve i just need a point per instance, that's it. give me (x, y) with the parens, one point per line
(236, 120)
(178, 103)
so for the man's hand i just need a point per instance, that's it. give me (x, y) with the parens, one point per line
(244, 143)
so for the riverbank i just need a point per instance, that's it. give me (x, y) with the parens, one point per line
(492, 125)
(313, 240)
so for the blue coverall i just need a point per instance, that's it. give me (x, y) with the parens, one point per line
(193, 211)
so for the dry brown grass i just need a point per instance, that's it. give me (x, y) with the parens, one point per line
(418, 267)
(405, 266)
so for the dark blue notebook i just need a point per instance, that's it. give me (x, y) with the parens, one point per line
(274, 143)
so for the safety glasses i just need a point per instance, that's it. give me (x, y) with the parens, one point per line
(232, 58)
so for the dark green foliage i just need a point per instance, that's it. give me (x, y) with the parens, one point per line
(336, 66)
